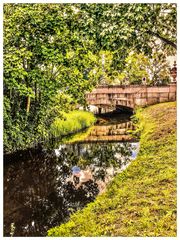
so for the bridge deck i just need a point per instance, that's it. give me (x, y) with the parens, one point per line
(131, 96)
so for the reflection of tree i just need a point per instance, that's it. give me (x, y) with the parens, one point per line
(78, 198)
(99, 157)
(99, 154)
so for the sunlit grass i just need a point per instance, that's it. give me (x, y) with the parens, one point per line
(141, 201)
(71, 123)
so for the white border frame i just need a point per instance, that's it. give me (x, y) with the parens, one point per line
(1, 100)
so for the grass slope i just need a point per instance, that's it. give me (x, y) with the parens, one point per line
(141, 201)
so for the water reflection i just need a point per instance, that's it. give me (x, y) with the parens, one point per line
(42, 189)
(39, 193)
(113, 132)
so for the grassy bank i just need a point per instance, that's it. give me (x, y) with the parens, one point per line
(72, 122)
(141, 201)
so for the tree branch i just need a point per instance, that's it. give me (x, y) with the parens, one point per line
(167, 41)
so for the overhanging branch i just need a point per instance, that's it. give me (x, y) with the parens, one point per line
(167, 41)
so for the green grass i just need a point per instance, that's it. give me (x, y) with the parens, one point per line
(141, 201)
(72, 122)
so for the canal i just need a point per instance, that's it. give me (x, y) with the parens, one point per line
(42, 188)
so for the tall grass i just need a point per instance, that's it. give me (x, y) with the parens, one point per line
(71, 123)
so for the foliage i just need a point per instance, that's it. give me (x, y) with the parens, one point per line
(71, 122)
(159, 69)
(138, 66)
(124, 27)
(43, 57)
(140, 201)
(135, 70)
(139, 25)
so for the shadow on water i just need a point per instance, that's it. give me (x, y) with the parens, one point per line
(42, 188)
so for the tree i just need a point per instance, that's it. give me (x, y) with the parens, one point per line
(135, 70)
(134, 24)
(43, 54)
(122, 28)
(138, 66)
(159, 69)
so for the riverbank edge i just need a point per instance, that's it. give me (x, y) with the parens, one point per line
(140, 201)
(78, 124)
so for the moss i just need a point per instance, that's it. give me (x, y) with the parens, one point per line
(141, 201)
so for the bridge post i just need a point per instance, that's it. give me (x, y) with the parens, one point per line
(99, 110)
(173, 72)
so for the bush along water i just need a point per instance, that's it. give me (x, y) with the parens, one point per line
(140, 201)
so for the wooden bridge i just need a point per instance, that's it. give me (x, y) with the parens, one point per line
(130, 96)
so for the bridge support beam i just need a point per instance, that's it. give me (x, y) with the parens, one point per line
(99, 110)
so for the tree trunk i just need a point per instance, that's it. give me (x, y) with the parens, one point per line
(28, 104)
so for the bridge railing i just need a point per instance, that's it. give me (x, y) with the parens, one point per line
(131, 95)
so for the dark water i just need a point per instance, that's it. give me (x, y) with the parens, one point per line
(40, 190)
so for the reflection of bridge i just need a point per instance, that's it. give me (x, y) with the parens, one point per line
(130, 96)
(110, 133)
